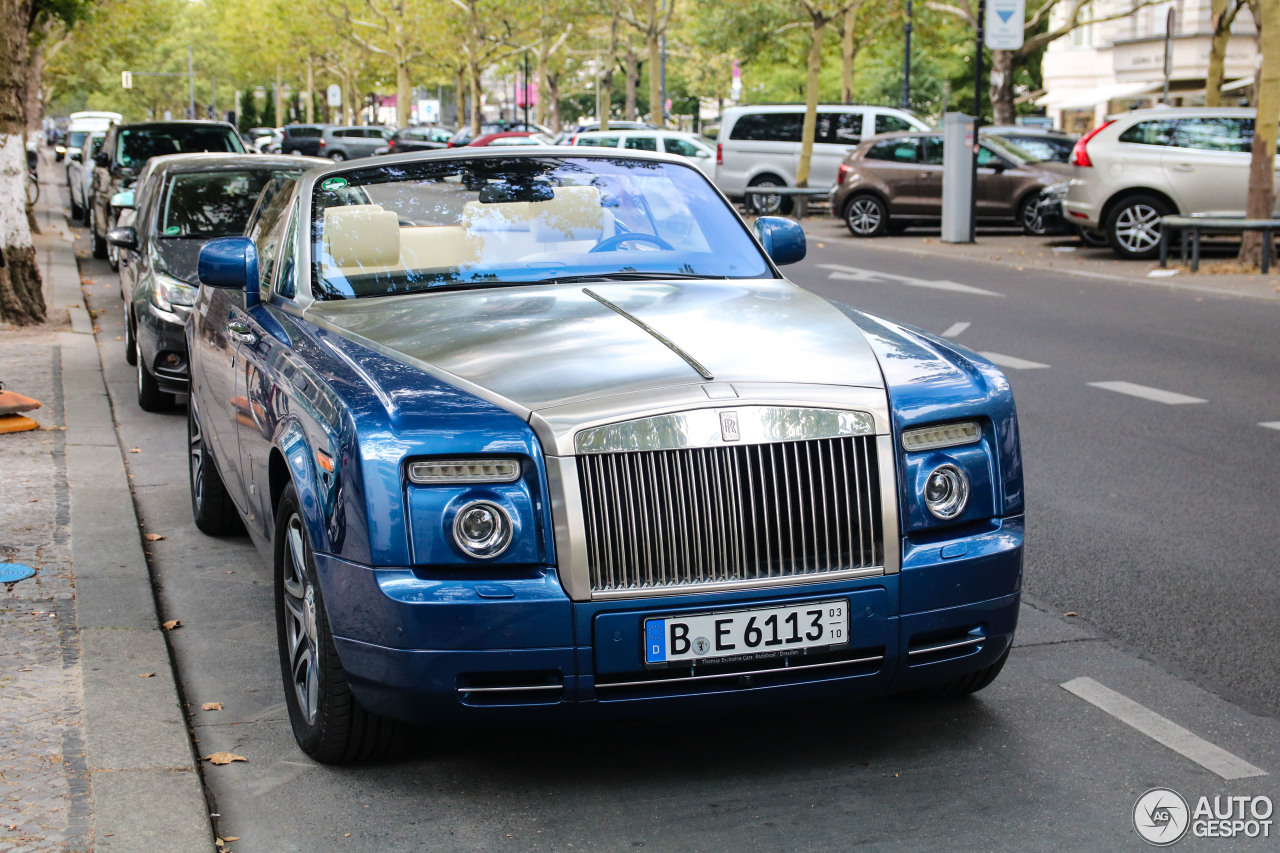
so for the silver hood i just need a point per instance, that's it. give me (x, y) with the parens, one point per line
(543, 347)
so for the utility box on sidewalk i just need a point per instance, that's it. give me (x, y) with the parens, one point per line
(957, 177)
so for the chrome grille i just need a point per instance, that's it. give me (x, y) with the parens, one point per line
(668, 519)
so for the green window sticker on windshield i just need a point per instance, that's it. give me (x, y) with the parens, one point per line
(173, 231)
(333, 184)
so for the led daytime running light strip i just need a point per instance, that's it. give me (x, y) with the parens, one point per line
(449, 471)
(942, 435)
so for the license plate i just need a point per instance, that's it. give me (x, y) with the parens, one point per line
(747, 634)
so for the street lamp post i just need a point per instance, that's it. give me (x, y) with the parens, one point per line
(906, 59)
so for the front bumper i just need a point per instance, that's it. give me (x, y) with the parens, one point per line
(461, 650)
(163, 345)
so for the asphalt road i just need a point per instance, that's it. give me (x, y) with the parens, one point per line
(1151, 521)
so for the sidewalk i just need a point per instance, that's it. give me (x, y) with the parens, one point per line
(94, 749)
(1065, 255)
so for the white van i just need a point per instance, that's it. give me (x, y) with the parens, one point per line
(79, 126)
(688, 145)
(760, 146)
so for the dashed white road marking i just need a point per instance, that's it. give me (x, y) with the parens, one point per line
(1162, 730)
(840, 272)
(1270, 424)
(1170, 398)
(955, 329)
(1011, 362)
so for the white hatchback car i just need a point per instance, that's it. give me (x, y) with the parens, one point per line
(689, 145)
(1145, 164)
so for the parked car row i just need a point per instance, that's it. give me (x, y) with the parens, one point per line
(429, 387)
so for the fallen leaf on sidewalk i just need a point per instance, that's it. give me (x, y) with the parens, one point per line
(152, 537)
(135, 449)
(224, 758)
(1071, 613)
(146, 675)
(171, 624)
(211, 706)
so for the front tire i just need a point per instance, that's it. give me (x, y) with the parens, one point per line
(150, 397)
(1133, 227)
(130, 339)
(99, 243)
(328, 721)
(866, 216)
(1030, 218)
(211, 507)
(337, 156)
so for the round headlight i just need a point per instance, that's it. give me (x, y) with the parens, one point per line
(946, 492)
(482, 529)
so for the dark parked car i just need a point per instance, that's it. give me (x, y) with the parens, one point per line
(128, 147)
(180, 202)
(1043, 143)
(546, 436)
(423, 138)
(894, 180)
(351, 143)
(301, 139)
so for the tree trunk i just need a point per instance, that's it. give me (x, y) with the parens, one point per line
(460, 96)
(541, 70)
(1002, 65)
(282, 118)
(811, 102)
(606, 95)
(1221, 21)
(21, 291)
(1261, 200)
(552, 95)
(657, 110)
(404, 91)
(474, 74)
(633, 79)
(310, 105)
(848, 52)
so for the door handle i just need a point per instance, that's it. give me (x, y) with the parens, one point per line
(1183, 167)
(240, 330)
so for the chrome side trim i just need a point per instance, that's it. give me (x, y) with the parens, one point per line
(536, 687)
(722, 675)
(658, 336)
(703, 428)
(942, 647)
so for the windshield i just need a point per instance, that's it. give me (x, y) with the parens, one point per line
(1015, 153)
(210, 204)
(135, 146)
(492, 221)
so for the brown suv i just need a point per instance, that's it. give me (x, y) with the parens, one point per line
(893, 181)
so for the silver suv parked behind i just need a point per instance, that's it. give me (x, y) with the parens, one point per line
(348, 143)
(1142, 165)
(760, 146)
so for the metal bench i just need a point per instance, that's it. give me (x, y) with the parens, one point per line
(1191, 227)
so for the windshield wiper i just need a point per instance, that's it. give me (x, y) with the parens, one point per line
(626, 276)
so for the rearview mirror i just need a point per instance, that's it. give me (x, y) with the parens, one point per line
(783, 239)
(230, 263)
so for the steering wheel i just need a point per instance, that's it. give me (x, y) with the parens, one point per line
(608, 244)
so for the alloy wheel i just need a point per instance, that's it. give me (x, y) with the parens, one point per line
(301, 630)
(864, 216)
(1137, 228)
(195, 455)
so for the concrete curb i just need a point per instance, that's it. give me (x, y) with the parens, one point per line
(147, 791)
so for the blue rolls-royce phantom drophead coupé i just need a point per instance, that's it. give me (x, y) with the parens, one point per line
(548, 435)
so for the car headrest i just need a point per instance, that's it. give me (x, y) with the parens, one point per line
(574, 214)
(505, 216)
(362, 235)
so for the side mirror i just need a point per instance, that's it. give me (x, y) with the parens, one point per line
(123, 200)
(125, 236)
(230, 263)
(782, 239)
